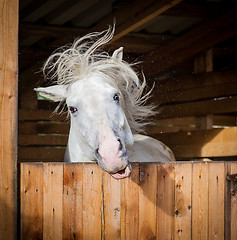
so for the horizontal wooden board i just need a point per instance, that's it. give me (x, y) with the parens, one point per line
(187, 124)
(196, 87)
(39, 114)
(43, 127)
(42, 140)
(202, 143)
(213, 106)
(39, 154)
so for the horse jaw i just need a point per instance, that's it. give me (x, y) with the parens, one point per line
(123, 173)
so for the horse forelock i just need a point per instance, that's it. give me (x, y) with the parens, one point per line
(85, 58)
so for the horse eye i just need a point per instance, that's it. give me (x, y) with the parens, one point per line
(73, 109)
(116, 97)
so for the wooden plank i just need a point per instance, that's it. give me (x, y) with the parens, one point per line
(40, 114)
(227, 202)
(195, 87)
(130, 205)
(198, 80)
(92, 193)
(218, 120)
(41, 154)
(200, 201)
(43, 127)
(202, 107)
(202, 143)
(186, 124)
(140, 43)
(42, 140)
(183, 184)
(216, 201)
(31, 186)
(112, 207)
(8, 118)
(53, 200)
(50, 31)
(191, 43)
(233, 203)
(72, 201)
(147, 201)
(165, 201)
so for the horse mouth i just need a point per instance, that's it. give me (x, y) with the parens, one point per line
(117, 175)
(122, 173)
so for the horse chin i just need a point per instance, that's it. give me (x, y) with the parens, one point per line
(117, 175)
(122, 173)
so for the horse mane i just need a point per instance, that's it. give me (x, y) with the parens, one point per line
(85, 57)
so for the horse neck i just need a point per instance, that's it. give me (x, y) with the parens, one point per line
(77, 149)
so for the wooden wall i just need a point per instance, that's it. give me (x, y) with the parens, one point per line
(159, 201)
(8, 118)
(43, 137)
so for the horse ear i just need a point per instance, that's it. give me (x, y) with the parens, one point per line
(55, 93)
(118, 54)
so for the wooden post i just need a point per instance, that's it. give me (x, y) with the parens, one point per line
(204, 63)
(8, 118)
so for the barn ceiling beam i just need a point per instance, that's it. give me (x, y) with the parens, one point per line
(134, 42)
(140, 13)
(47, 30)
(202, 37)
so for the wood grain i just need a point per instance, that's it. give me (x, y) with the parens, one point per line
(147, 201)
(92, 193)
(183, 207)
(72, 201)
(165, 201)
(52, 200)
(233, 202)
(130, 205)
(200, 201)
(31, 201)
(8, 118)
(216, 201)
(112, 207)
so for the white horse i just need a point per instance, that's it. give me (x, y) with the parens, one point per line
(106, 104)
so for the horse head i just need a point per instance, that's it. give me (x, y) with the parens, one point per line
(105, 100)
(98, 121)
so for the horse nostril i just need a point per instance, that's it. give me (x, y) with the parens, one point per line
(120, 145)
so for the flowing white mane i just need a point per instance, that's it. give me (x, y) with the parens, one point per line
(84, 57)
